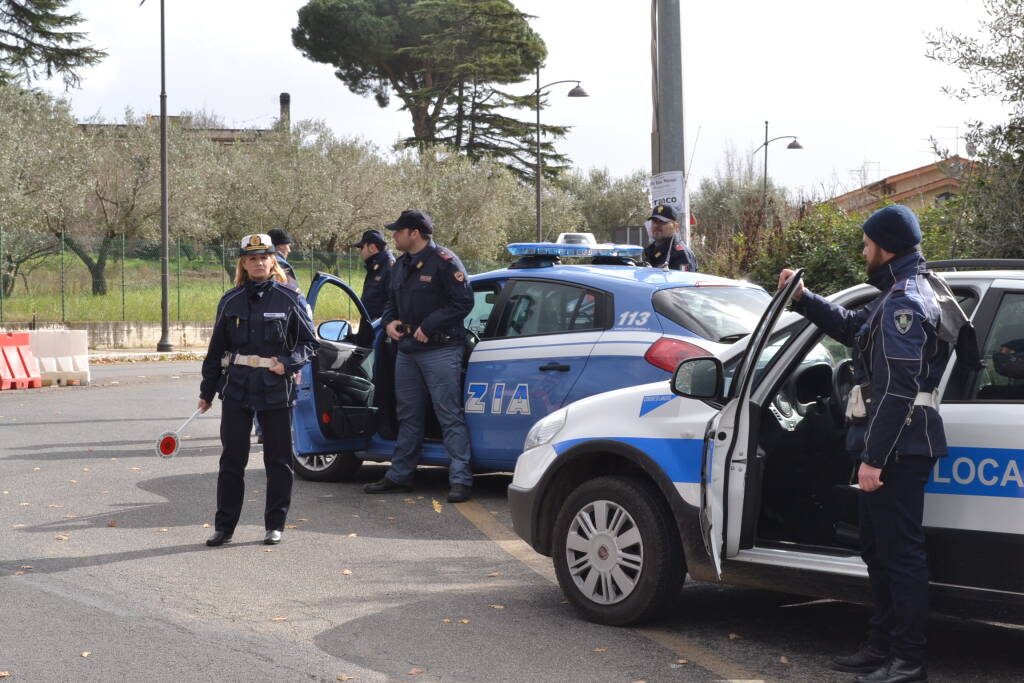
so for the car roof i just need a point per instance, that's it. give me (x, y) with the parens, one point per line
(603, 276)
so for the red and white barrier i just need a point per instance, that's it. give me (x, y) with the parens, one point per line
(63, 356)
(18, 367)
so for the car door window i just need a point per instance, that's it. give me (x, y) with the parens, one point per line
(1002, 378)
(483, 305)
(540, 307)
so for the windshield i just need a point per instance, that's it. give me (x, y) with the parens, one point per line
(722, 314)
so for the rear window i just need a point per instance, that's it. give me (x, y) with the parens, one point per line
(722, 314)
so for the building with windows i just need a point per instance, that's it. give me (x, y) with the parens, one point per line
(917, 188)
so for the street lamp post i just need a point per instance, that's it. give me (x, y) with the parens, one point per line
(575, 92)
(764, 180)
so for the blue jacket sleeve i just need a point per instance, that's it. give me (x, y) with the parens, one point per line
(839, 323)
(301, 333)
(897, 361)
(212, 369)
(460, 300)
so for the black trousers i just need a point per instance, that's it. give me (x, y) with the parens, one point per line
(893, 547)
(235, 425)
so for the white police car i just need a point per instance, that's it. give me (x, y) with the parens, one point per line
(542, 335)
(735, 470)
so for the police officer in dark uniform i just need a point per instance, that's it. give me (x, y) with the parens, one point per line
(667, 250)
(263, 335)
(895, 432)
(377, 259)
(282, 248)
(428, 300)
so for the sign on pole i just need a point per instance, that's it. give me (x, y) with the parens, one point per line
(670, 188)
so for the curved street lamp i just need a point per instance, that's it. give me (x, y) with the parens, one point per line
(764, 181)
(577, 91)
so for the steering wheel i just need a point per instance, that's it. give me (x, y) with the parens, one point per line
(842, 383)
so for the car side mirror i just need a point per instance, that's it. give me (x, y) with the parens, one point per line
(701, 377)
(334, 330)
(490, 297)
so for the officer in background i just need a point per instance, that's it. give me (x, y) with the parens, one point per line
(263, 335)
(428, 300)
(377, 259)
(667, 250)
(283, 247)
(895, 433)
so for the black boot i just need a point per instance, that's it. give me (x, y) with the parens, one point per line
(459, 493)
(385, 485)
(864, 661)
(896, 671)
(219, 538)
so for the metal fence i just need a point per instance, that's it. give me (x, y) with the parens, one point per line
(60, 278)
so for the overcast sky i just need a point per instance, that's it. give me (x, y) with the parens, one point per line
(850, 79)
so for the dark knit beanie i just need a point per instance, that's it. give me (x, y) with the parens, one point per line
(893, 228)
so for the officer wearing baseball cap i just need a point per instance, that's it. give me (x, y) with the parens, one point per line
(894, 431)
(377, 259)
(428, 300)
(283, 247)
(667, 248)
(262, 336)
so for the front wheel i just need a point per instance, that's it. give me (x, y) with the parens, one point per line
(616, 551)
(327, 466)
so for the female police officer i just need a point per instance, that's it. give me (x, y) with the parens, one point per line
(262, 337)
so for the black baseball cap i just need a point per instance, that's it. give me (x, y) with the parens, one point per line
(664, 213)
(370, 237)
(413, 220)
(279, 236)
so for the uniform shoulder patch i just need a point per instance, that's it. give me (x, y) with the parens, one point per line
(460, 276)
(445, 254)
(904, 319)
(680, 247)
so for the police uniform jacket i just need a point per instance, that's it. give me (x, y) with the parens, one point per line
(375, 285)
(264, 319)
(674, 251)
(431, 290)
(897, 354)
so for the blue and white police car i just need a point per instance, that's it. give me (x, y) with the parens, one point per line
(735, 471)
(541, 335)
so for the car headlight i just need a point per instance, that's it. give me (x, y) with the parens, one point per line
(545, 429)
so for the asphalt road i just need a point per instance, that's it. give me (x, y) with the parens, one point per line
(101, 552)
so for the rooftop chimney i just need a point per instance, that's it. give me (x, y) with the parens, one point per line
(286, 112)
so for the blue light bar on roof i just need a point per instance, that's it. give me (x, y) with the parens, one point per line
(548, 249)
(574, 250)
(624, 250)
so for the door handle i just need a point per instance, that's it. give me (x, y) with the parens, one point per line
(555, 366)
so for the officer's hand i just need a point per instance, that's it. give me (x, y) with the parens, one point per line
(278, 367)
(419, 336)
(869, 478)
(784, 277)
(204, 405)
(393, 331)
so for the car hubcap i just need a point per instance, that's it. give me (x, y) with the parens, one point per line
(604, 552)
(317, 463)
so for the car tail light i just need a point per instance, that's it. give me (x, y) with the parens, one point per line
(667, 353)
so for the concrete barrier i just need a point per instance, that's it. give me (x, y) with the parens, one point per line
(63, 356)
(18, 368)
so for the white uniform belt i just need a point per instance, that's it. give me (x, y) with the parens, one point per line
(251, 361)
(927, 398)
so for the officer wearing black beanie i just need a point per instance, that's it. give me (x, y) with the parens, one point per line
(895, 432)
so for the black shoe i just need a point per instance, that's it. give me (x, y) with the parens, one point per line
(459, 493)
(259, 438)
(864, 661)
(896, 671)
(385, 485)
(218, 538)
(273, 537)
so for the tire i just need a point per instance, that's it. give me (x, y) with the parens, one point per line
(606, 582)
(327, 466)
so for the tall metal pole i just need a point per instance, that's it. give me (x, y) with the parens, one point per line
(764, 182)
(669, 148)
(540, 162)
(165, 267)
(1, 272)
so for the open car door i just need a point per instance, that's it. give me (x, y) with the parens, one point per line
(728, 442)
(335, 411)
